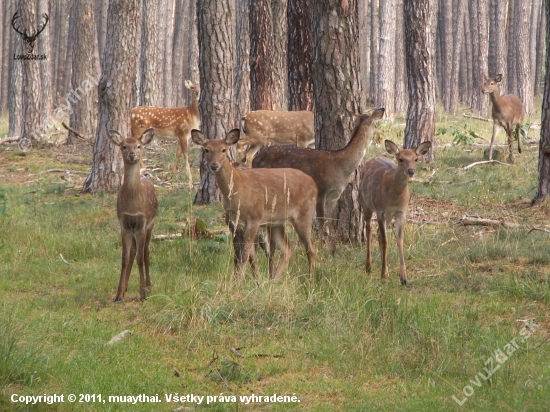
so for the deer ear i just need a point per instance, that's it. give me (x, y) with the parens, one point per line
(147, 136)
(198, 137)
(232, 137)
(188, 84)
(423, 148)
(498, 79)
(378, 113)
(391, 147)
(115, 137)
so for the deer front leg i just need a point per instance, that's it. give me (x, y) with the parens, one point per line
(128, 254)
(493, 137)
(383, 243)
(278, 237)
(178, 154)
(140, 240)
(303, 229)
(518, 134)
(147, 260)
(367, 216)
(510, 133)
(399, 230)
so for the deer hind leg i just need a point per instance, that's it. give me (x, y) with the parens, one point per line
(399, 230)
(128, 255)
(250, 153)
(147, 259)
(383, 243)
(510, 133)
(493, 137)
(303, 229)
(185, 151)
(518, 134)
(367, 216)
(178, 154)
(278, 238)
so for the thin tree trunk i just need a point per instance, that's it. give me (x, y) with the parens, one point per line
(116, 93)
(533, 36)
(543, 190)
(364, 29)
(44, 48)
(420, 47)
(374, 45)
(541, 46)
(337, 92)
(15, 87)
(386, 59)
(511, 60)
(4, 42)
(456, 62)
(151, 74)
(280, 43)
(192, 73)
(468, 49)
(480, 41)
(524, 82)
(400, 64)
(300, 78)
(166, 21)
(101, 12)
(241, 81)
(85, 71)
(181, 49)
(216, 36)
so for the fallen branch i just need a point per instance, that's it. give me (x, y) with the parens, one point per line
(10, 139)
(540, 229)
(480, 136)
(476, 117)
(167, 237)
(76, 133)
(485, 162)
(478, 221)
(63, 171)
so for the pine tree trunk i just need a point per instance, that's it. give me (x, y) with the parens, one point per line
(374, 44)
(534, 22)
(448, 52)
(541, 46)
(15, 87)
(4, 70)
(386, 59)
(456, 62)
(241, 81)
(216, 36)
(524, 83)
(364, 30)
(543, 191)
(511, 60)
(192, 72)
(280, 43)
(85, 71)
(44, 48)
(181, 49)
(300, 80)
(101, 12)
(116, 93)
(468, 60)
(337, 90)
(166, 23)
(420, 47)
(31, 78)
(151, 56)
(497, 44)
(400, 64)
(480, 42)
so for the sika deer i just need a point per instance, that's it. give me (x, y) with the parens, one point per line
(171, 124)
(136, 210)
(330, 170)
(507, 113)
(385, 190)
(267, 126)
(258, 197)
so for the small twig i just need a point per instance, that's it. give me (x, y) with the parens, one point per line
(480, 136)
(237, 353)
(10, 139)
(76, 133)
(477, 117)
(540, 229)
(63, 171)
(63, 259)
(485, 162)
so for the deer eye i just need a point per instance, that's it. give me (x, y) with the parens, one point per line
(416, 160)
(206, 151)
(223, 150)
(400, 160)
(139, 146)
(124, 147)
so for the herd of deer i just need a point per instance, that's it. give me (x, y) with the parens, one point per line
(285, 183)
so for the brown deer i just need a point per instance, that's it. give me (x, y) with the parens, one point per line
(507, 113)
(331, 170)
(171, 124)
(259, 197)
(267, 126)
(136, 210)
(385, 190)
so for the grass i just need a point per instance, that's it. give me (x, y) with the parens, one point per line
(351, 343)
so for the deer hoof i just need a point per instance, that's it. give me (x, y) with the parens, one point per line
(404, 282)
(117, 299)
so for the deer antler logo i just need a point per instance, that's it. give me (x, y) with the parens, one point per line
(29, 40)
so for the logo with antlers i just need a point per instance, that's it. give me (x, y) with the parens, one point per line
(29, 39)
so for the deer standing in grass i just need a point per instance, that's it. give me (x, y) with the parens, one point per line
(385, 190)
(267, 126)
(331, 170)
(171, 124)
(136, 210)
(261, 197)
(507, 113)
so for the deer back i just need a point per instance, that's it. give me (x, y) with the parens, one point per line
(291, 128)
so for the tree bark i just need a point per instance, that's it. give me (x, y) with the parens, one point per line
(480, 41)
(151, 58)
(181, 49)
(192, 73)
(534, 22)
(216, 36)
(497, 43)
(300, 80)
(4, 70)
(44, 48)
(337, 92)
(456, 62)
(15, 87)
(85, 71)
(116, 93)
(543, 190)
(541, 46)
(166, 26)
(511, 50)
(280, 43)
(241, 78)
(386, 59)
(400, 64)
(524, 82)
(374, 44)
(420, 47)
(448, 51)
(101, 12)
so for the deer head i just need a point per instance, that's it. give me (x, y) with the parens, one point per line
(407, 158)
(29, 39)
(490, 85)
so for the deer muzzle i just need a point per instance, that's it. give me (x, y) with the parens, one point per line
(214, 167)
(410, 172)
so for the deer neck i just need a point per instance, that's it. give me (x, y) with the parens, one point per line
(496, 98)
(195, 105)
(350, 156)
(399, 182)
(131, 189)
(228, 178)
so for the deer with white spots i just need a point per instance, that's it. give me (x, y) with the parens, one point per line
(253, 198)
(385, 190)
(171, 124)
(136, 210)
(331, 170)
(267, 126)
